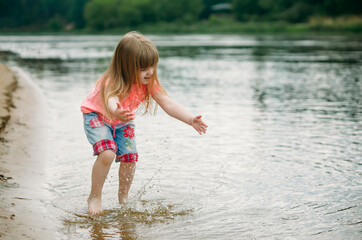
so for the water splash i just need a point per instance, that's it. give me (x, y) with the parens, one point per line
(122, 223)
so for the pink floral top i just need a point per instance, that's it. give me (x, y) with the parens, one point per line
(93, 102)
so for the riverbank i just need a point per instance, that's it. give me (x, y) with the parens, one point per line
(229, 25)
(221, 25)
(8, 84)
(22, 211)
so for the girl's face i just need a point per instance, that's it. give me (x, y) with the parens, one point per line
(146, 74)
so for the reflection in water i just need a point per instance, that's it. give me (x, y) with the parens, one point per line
(259, 55)
(281, 159)
(121, 223)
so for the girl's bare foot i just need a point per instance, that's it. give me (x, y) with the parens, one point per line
(94, 205)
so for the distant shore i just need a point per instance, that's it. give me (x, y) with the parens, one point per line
(220, 25)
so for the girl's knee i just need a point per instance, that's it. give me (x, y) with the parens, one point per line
(128, 163)
(106, 157)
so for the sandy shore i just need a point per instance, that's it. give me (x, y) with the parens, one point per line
(8, 84)
(23, 198)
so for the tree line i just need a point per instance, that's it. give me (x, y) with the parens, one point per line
(107, 14)
(293, 11)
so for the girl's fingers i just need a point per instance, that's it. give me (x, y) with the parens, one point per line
(199, 125)
(125, 111)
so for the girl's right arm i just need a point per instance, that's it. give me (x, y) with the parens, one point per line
(175, 110)
(124, 115)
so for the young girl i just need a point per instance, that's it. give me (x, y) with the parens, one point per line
(109, 111)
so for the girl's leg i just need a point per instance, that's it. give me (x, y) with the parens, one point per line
(99, 174)
(126, 173)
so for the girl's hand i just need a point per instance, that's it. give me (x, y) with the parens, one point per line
(199, 125)
(124, 115)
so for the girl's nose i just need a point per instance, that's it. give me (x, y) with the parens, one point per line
(150, 71)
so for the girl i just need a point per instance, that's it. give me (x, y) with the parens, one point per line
(109, 111)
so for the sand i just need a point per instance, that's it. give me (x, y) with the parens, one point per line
(8, 85)
(23, 197)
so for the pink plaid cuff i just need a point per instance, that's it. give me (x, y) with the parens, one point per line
(96, 122)
(103, 145)
(129, 157)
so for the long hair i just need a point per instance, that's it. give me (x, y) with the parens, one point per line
(133, 53)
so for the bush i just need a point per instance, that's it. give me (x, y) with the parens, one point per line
(101, 14)
(298, 12)
(104, 14)
(56, 23)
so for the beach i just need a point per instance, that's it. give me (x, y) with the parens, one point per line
(22, 212)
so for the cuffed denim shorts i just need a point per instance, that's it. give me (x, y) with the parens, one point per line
(119, 138)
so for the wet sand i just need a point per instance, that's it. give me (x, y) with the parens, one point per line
(23, 211)
(8, 84)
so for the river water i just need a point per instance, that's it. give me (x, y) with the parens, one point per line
(282, 158)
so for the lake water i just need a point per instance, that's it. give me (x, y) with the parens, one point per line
(282, 158)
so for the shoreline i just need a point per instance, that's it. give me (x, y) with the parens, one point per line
(23, 214)
(8, 84)
(351, 25)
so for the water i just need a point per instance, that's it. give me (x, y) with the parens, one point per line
(281, 159)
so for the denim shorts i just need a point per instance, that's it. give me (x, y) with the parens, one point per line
(119, 138)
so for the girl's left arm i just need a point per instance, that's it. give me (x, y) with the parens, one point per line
(175, 110)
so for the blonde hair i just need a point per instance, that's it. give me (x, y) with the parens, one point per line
(133, 53)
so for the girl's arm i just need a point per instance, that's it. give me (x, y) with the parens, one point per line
(116, 110)
(177, 111)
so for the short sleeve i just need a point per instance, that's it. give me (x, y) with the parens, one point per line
(155, 88)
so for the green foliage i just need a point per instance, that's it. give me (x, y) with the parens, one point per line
(298, 12)
(135, 12)
(43, 13)
(76, 13)
(105, 14)
(56, 23)
(293, 11)
(246, 9)
(126, 14)
(185, 11)
(101, 14)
